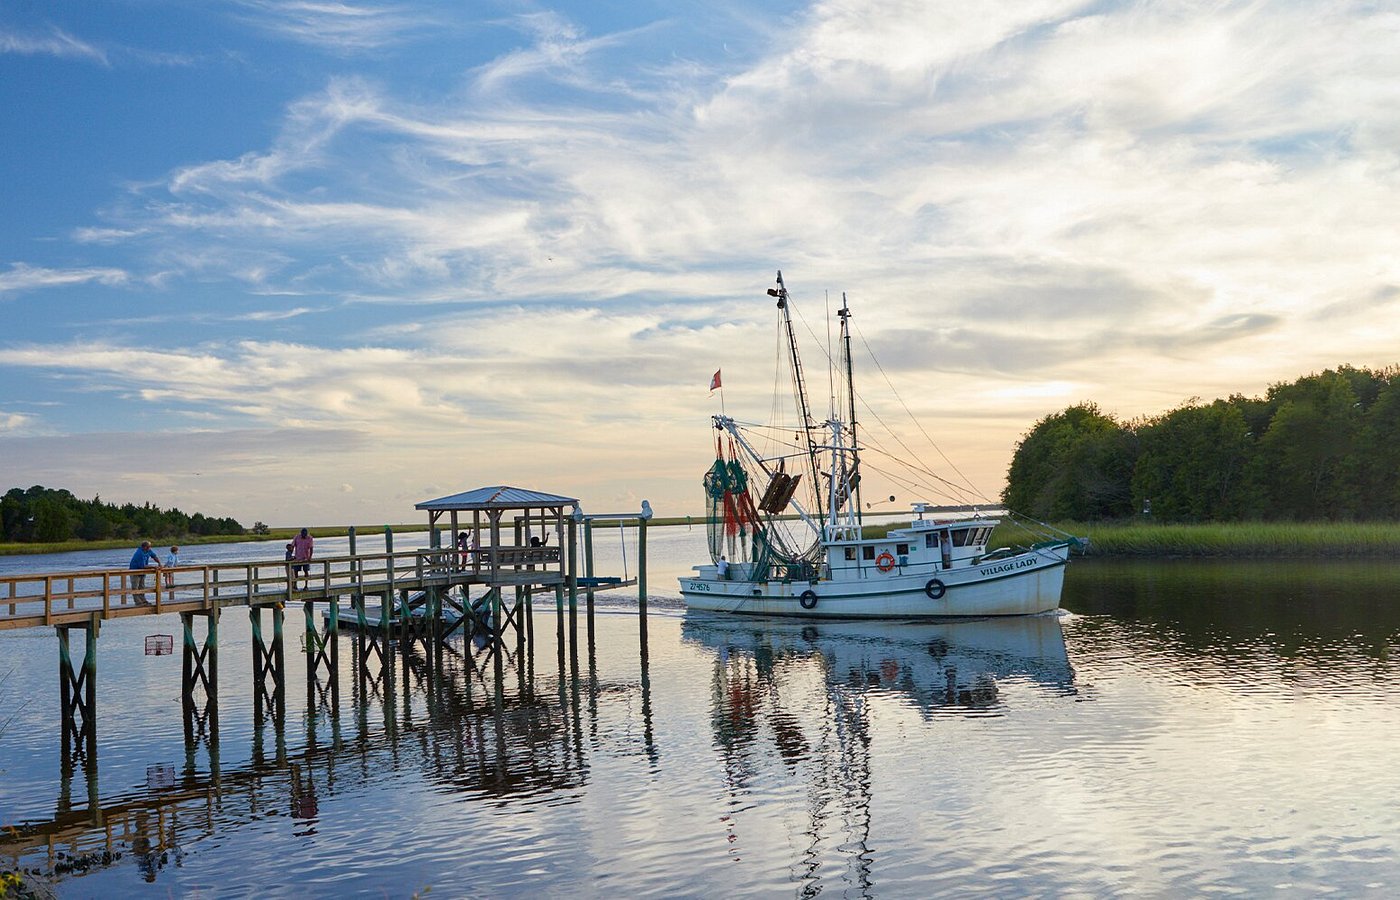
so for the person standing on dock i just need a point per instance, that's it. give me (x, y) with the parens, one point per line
(140, 560)
(172, 559)
(301, 556)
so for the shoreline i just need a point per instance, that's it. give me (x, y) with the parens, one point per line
(1123, 540)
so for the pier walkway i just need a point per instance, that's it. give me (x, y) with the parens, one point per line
(71, 598)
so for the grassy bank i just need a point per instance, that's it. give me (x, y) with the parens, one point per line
(1241, 539)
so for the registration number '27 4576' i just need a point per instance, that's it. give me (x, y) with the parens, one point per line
(697, 586)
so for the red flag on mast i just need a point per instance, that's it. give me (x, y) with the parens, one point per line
(714, 382)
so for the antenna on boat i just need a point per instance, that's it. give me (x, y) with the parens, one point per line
(845, 313)
(781, 293)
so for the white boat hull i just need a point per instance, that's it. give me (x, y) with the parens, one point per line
(1023, 585)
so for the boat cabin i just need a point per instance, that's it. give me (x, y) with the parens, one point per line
(926, 545)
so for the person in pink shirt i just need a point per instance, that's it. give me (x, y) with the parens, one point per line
(301, 557)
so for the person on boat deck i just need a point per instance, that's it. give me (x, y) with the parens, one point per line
(140, 560)
(723, 567)
(301, 555)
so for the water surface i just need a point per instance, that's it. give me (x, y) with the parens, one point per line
(1181, 728)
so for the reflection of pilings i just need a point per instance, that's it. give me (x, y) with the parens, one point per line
(648, 735)
(64, 808)
(78, 692)
(527, 744)
(200, 670)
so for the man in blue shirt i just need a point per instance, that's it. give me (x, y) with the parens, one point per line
(143, 557)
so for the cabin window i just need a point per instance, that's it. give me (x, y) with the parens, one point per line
(960, 537)
(983, 534)
(901, 549)
(868, 552)
(850, 552)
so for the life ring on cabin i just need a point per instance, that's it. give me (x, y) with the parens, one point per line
(808, 599)
(884, 562)
(935, 589)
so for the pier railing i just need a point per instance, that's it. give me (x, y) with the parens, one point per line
(57, 598)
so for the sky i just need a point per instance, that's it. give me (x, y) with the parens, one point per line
(315, 261)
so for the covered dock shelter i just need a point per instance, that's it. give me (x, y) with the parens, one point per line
(512, 538)
(504, 534)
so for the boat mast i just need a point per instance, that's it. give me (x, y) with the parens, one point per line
(845, 314)
(781, 293)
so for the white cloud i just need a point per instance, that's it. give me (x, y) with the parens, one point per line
(14, 423)
(55, 43)
(22, 277)
(339, 26)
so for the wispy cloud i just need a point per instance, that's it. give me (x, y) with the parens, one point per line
(55, 42)
(338, 26)
(23, 277)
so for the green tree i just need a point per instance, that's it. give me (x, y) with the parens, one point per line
(1377, 456)
(1191, 463)
(52, 520)
(1077, 465)
(1299, 465)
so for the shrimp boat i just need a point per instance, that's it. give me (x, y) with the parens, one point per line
(807, 553)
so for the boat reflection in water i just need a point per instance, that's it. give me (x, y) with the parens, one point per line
(832, 699)
(952, 666)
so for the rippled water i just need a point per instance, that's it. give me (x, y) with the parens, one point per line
(1181, 729)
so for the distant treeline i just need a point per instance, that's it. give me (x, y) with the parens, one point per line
(1326, 446)
(43, 515)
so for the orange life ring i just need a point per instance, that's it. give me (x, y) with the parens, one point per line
(884, 562)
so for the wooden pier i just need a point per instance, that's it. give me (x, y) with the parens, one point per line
(505, 546)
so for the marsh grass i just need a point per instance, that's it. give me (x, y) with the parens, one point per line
(1241, 539)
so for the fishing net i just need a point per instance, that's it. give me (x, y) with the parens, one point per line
(745, 536)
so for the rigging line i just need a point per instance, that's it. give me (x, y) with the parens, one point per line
(944, 489)
(966, 486)
(965, 490)
(1050, 529)
(912, 417)
(908, 484)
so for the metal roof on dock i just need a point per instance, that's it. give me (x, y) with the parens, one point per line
(497, 497)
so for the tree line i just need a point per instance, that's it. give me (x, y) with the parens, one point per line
(45, 515)
(1325, 447)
